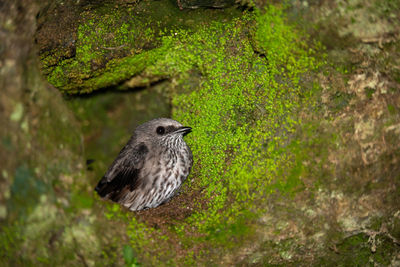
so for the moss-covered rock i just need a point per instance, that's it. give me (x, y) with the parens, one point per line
(241, 104)
(291, 168)
(115, 43)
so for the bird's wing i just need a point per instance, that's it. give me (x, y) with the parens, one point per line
(123, 175)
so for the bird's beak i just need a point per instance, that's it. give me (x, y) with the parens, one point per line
(183, 130)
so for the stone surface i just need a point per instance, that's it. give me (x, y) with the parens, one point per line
(324, 191)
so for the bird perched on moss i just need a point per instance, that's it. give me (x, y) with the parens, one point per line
(151, 167)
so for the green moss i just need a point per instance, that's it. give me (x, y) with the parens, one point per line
(356, 251)
(242, 112)
(80, 200)
(239, 85)
(242, 108)
(340, 100)
(129, 256)
(118, 70)
(114, 44)
(101, 37)
(369, 92)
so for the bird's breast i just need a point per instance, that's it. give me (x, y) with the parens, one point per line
(168, 169)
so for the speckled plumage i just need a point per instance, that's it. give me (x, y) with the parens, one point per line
(151, 167)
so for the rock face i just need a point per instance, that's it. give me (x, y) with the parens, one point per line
(296, 147)
(46, 198)
(106, 44)
(40, 149)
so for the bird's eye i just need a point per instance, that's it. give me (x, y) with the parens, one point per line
(160, 130)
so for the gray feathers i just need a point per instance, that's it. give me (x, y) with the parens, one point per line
(124, 172)
(150, 169)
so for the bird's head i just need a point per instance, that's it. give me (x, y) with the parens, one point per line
(161, 129)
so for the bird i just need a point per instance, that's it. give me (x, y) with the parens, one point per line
(150, 168)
